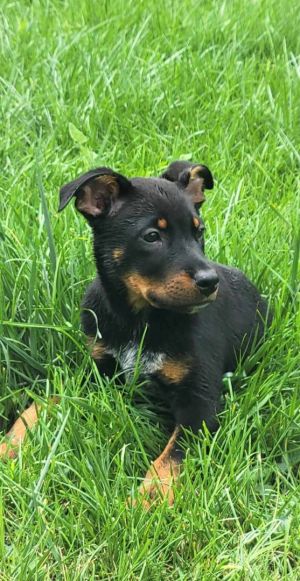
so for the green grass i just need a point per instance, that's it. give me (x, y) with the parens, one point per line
(135, 85)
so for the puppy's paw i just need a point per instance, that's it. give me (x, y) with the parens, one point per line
(159, 483)
(7, 451)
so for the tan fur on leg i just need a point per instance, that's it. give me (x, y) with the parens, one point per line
(17, 432)
(161, 477)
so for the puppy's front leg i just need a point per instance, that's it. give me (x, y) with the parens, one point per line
(163, 473)
(192, 407)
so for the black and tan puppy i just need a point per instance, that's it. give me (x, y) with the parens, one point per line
(152, 274)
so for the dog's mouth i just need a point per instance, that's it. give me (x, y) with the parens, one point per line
(187, 307)
(179, 293)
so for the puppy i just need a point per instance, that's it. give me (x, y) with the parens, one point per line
(154, 283)
(196, 317)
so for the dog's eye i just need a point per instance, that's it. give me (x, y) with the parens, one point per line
(152, 236)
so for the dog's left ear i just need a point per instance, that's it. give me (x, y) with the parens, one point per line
(193, 177)
(96, 192)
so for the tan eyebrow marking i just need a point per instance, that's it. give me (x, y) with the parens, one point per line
(162, 223)
(196, 222)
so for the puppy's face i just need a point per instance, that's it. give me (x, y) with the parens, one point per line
(148, 238)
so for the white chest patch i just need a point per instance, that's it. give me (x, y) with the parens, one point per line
(130, 359)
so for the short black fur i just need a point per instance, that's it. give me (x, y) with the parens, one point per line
(152, 272)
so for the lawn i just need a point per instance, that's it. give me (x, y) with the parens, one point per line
(133, 86)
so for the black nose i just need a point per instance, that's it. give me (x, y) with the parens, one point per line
(207, 281)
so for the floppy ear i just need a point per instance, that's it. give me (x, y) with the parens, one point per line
(95, 191)
(193, 177)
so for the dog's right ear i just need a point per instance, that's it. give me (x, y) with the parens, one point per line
(96, 191)
(194, 178)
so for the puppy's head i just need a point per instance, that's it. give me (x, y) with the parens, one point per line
(148, 237)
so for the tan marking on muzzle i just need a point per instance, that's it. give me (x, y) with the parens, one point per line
(196, 222)
(179, 289)
(137, 287)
